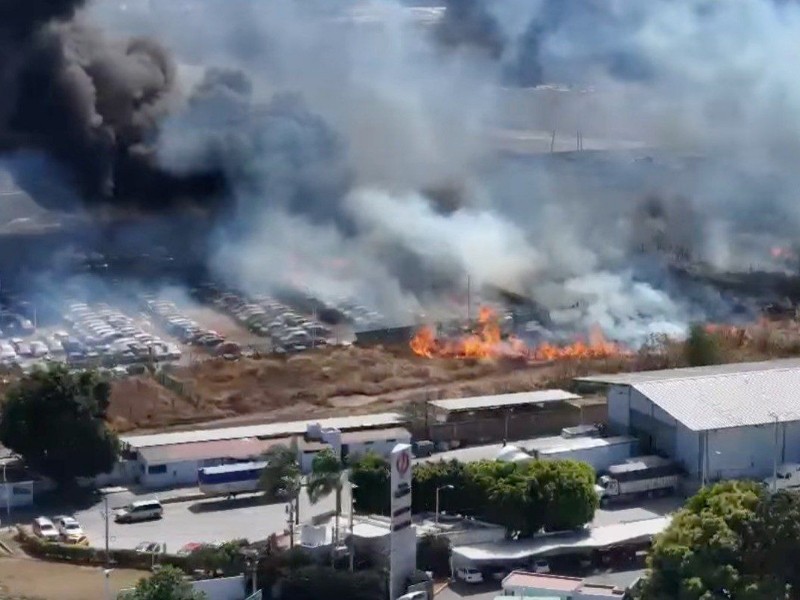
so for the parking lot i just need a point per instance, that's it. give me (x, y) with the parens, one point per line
(208, 521)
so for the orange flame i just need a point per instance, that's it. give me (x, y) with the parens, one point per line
(487, 342)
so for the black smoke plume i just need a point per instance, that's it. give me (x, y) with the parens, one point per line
(469, 23)
(90, 104)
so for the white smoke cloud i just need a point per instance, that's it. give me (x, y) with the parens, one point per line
(712, 80)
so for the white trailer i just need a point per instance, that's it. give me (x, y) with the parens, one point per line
(640, 476)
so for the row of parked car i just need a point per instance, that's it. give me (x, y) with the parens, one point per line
(187, 330)
(63, 528)
(101, 333)
(288, 330)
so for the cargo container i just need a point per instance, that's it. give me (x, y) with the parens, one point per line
(639, 476)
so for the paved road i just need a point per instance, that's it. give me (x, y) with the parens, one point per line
(212, 520)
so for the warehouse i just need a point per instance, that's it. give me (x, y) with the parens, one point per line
(172, 459)
(484, 419)
(718, 422)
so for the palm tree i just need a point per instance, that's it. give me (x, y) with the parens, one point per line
(281, 478)
(326, 478)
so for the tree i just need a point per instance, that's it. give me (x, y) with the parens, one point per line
(702, 348)
(56, 420)
(224, 559)
(281, 478)
(562, 492)
(168, 583)
(326, 478)
(433, 554)
(370, 473)
(706, 551)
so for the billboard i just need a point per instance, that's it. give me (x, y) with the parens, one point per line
(403, 536)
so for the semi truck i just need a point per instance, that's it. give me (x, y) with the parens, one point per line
(639, 476)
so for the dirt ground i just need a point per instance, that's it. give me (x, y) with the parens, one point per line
(354, 380)
(314, 384)
(31, 579)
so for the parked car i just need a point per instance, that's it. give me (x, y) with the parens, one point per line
(69, 529)
(151, 548)
(469, 575)
(43, 527)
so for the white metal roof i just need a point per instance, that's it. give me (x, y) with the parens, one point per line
(592, 537)
(689, 372)
(502, 400)
(268, 430)
(729, 400)
(546, 444)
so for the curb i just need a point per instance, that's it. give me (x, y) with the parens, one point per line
(186, 498)
(173, 499)
(6, 549)
(441, 588)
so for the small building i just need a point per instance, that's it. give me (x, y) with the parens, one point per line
(172, 459)
(349, 443)
(535, 585)
(717, 422)
(483, 419)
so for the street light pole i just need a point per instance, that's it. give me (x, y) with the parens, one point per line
(353, 486)
(105, 514)
(439, 489)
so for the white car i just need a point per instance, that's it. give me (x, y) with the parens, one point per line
(541, 566)
(68, 528)
(469, 575)
(44, 528)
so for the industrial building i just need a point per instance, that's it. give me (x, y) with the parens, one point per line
(482, 419)
(172, 459)
(718, 422)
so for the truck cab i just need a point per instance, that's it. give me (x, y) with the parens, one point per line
(788, 477)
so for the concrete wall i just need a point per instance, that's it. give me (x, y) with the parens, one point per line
(175, 474)
(618, 398)
(224, 588)
(742, 452)
(16, 494)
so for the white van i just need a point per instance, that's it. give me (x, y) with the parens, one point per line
(141, 510)
(469, 575)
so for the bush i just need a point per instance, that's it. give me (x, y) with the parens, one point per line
(128, 559)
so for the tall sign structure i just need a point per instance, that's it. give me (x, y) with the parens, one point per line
(403, 537)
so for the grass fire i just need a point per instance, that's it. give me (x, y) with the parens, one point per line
(487, 341)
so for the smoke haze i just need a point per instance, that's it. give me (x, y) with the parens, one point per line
(387, 153)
